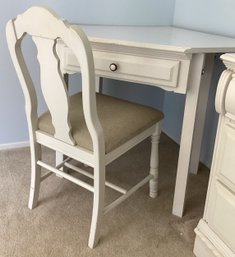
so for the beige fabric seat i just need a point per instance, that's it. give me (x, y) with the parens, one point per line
(121, 120)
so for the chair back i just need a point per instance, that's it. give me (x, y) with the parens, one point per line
(46, 29)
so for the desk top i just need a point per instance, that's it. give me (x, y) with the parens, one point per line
(161, 38)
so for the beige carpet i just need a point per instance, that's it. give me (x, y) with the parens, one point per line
(59, 226)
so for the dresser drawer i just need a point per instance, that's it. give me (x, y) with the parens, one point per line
(144, 70)
(222, 214)
(226, 155)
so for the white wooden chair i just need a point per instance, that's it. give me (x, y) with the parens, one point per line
(91, 128)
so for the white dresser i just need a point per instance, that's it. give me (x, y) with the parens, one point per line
(215, 233)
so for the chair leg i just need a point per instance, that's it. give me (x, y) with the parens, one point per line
(35, 176)
(98, 205)
(154, 159)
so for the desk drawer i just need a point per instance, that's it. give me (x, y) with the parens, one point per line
(226, 154)
(147, 70)
(138, 69)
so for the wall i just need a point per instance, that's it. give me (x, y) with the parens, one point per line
(13, 127)
(213, 16)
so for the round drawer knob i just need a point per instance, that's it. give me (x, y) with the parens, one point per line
(113, 67)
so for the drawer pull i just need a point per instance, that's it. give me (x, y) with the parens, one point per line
(113, 67)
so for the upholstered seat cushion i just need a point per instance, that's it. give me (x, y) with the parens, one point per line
(121, 121)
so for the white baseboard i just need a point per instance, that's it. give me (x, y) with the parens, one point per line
(14, 145)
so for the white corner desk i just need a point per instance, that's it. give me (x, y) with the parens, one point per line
(171, 58)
